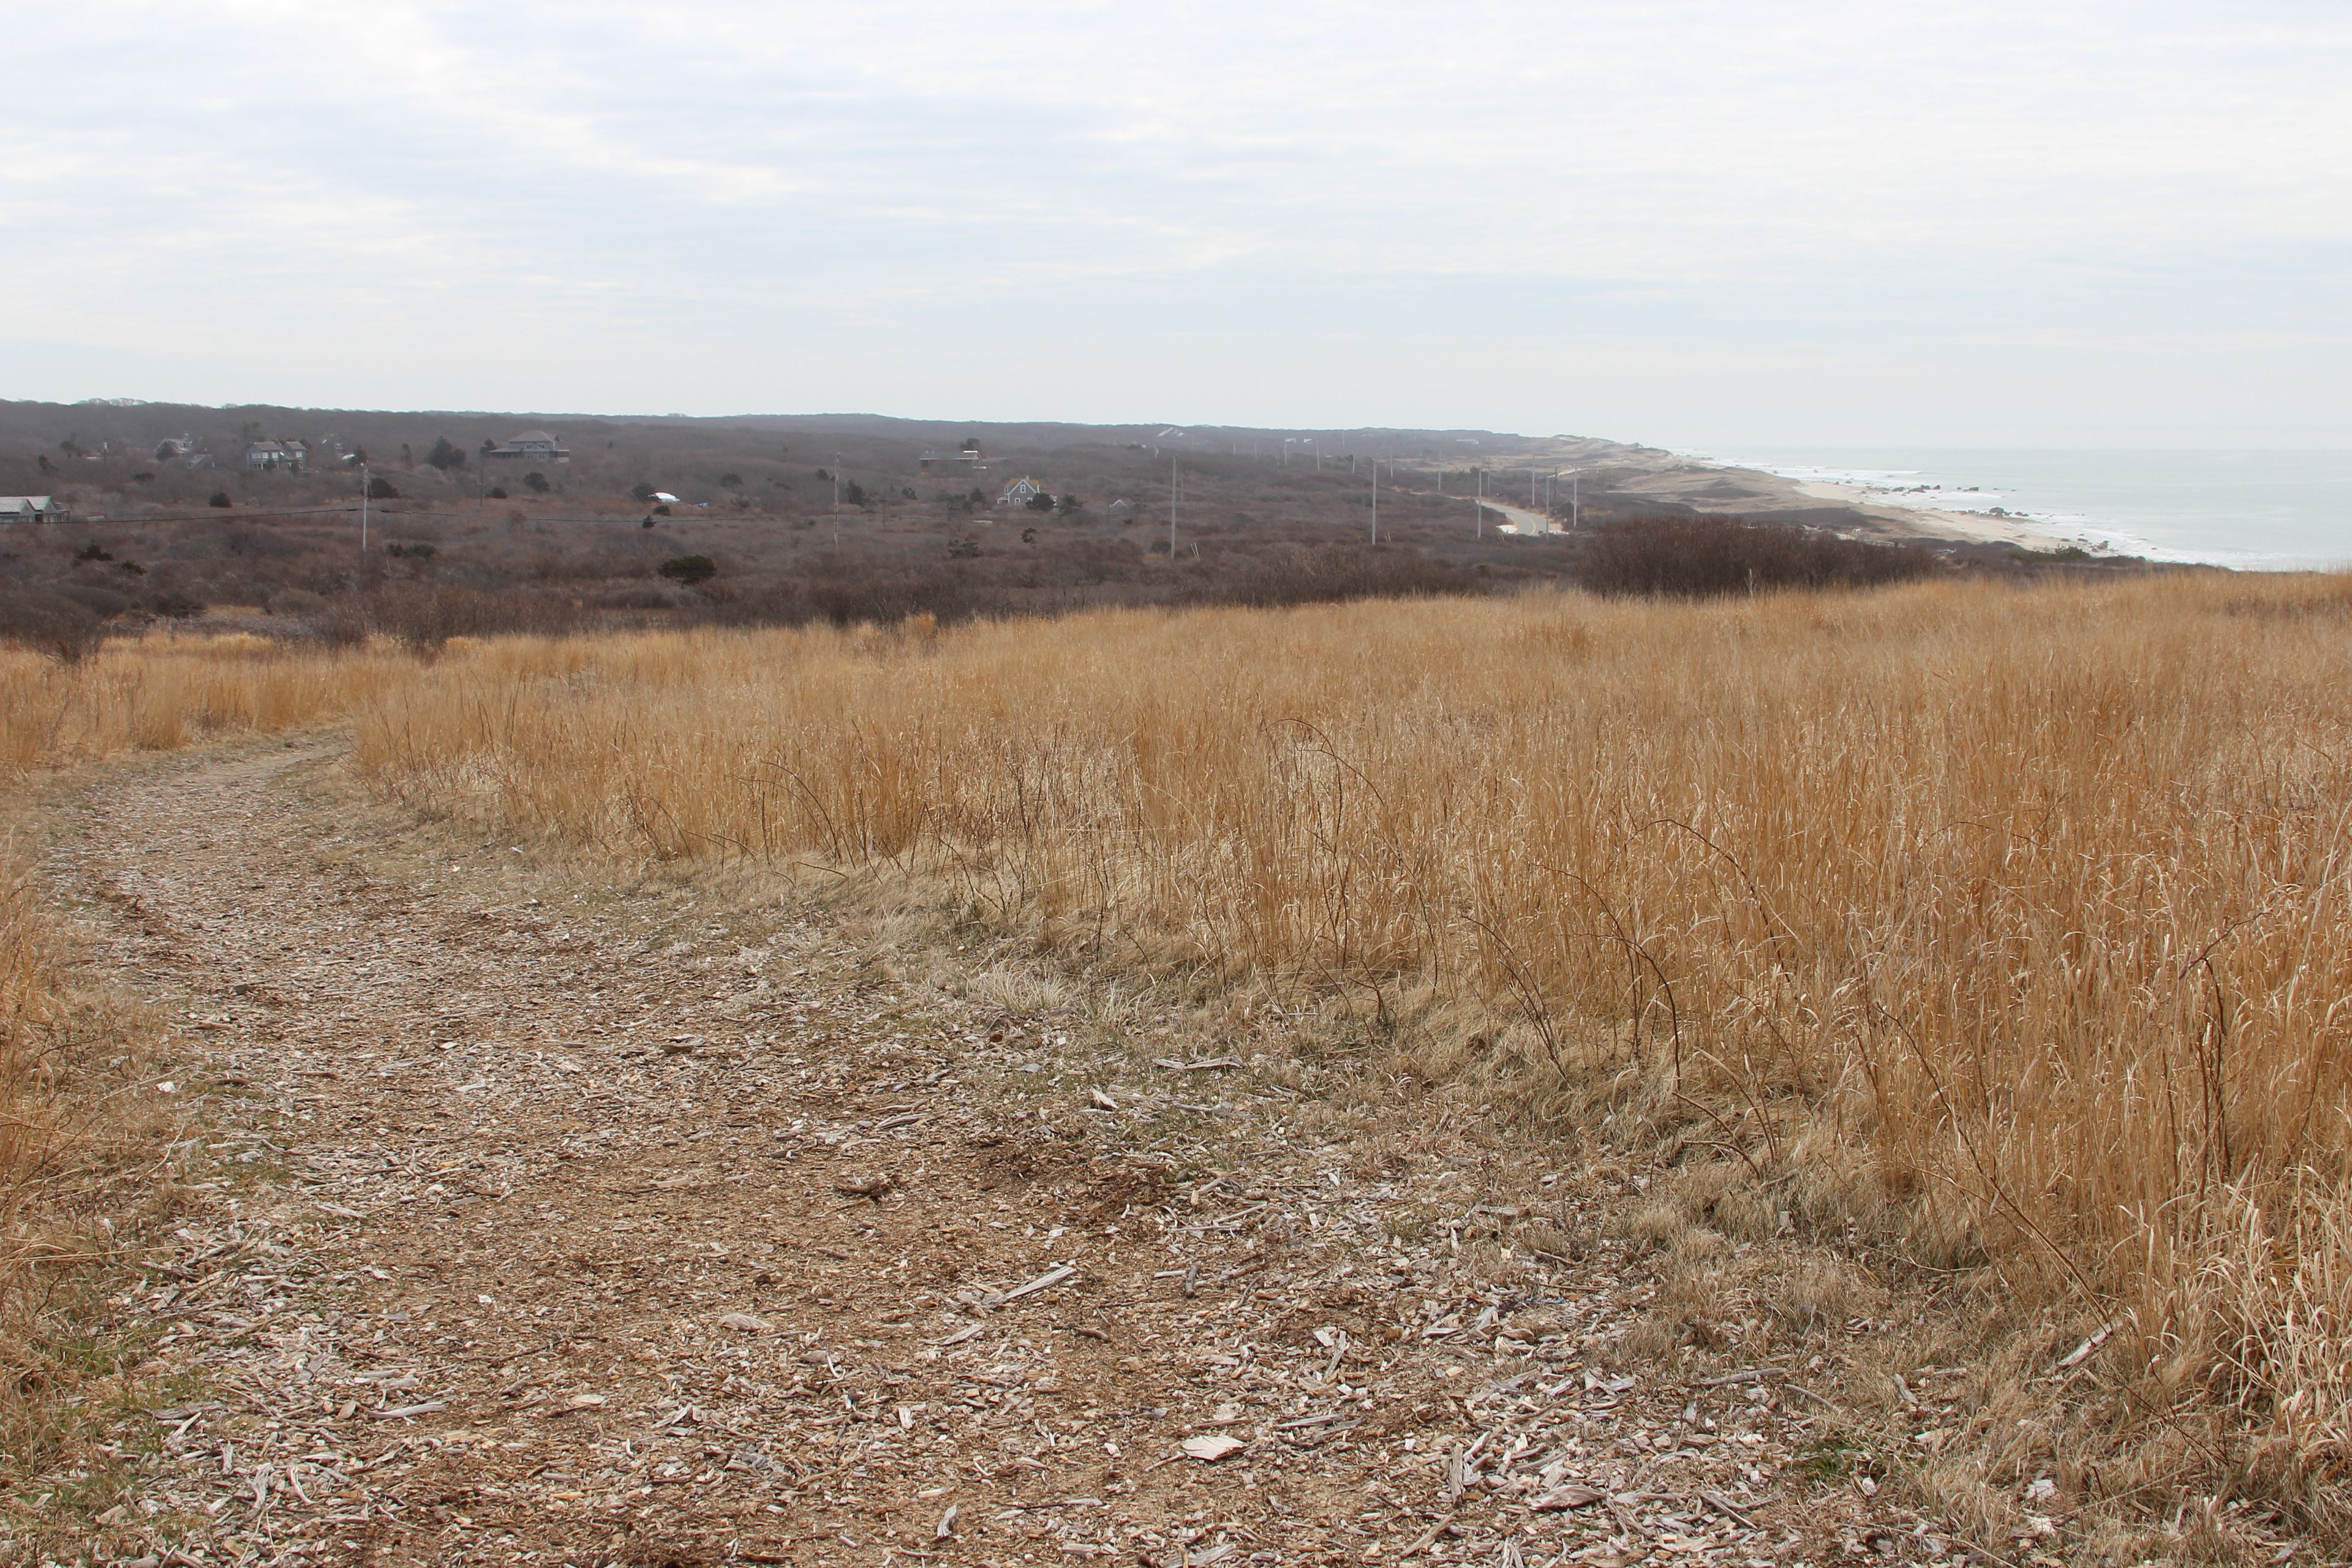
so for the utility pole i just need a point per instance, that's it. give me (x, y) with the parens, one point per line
(1376, 506)
(1175, 488)
(364, 483)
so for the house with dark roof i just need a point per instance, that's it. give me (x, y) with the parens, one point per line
(275, 455)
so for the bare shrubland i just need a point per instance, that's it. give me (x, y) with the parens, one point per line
(851, 526)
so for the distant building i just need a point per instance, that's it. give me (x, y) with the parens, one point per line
(1021, 492)
(34, 509)
(969, 456)
(172, 449)
(275, 455)
(530, 447)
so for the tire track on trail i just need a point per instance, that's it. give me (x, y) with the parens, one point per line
(557, 1229)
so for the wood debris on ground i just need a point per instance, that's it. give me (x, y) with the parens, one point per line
(591, 1234)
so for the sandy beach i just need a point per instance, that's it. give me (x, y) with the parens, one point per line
(1924, 522)
(1616, 471)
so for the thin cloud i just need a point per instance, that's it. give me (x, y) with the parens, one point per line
(774, 203)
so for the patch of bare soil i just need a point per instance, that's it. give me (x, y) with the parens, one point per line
(554, 1225)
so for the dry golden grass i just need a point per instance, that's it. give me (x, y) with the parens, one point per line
(1996, 930)
(2010, 928)
(29, 1011)
(28, 1008)
(81, 1185)
(164, 691)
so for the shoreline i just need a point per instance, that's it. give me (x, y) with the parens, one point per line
(1961, 497)
(1936, 522)
(1722, 488)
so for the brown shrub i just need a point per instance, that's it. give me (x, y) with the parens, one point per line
(1697, 558)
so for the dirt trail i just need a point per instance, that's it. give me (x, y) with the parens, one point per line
(645, 1230)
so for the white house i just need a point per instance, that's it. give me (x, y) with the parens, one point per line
(1021, 492)
(531, 447)
(33, 509)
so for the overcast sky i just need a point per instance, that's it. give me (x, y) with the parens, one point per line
(1672, 220)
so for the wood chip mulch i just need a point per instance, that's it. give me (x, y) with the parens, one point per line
(547, 1228)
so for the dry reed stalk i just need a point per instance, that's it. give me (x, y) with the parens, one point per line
(2012, 923)
(28, 1005)
(78, 1186)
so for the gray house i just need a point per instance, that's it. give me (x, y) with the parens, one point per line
(275, 455)
(530, 447)
(34, 509)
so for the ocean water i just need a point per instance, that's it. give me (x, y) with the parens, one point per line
(2252, 510)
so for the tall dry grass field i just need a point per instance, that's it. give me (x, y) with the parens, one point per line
(2011, 927)
(164, 691)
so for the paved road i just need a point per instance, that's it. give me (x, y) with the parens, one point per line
(1520, 519)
